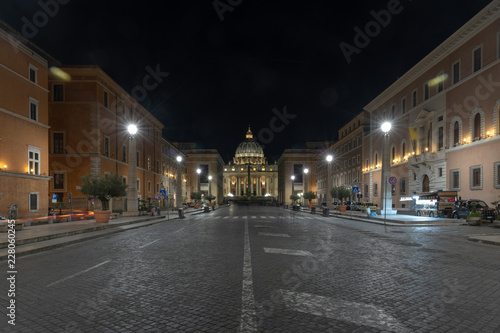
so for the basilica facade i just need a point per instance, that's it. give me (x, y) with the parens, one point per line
(249, 174)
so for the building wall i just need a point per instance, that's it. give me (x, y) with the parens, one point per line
(426, 130)
(92, 117)
(20, 133)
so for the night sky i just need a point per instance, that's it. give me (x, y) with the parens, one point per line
(262, 56)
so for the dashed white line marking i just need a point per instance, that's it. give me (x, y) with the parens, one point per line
(272, 235)
(143, 246)
(244, 217)
(288, 252)
(248, 314)
(235, 217)
(76, 274)
(225, 217)
(358, 313)
(272, 217)
(178, 230)
(254, 217)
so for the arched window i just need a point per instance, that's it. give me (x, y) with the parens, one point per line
(429, 139)
(425, 184)
(403, 149)
(376, 158)
(477, 126)
(393, 153)
(456, 133)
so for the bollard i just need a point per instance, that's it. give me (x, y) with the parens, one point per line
(313, 210)
(326, 212)
(181, 213)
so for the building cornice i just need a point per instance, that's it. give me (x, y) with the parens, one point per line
(23, 175)
(484, 18)
(24, 118)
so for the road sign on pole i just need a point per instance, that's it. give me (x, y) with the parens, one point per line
(355, 189)
(393, 180)
(54, 198)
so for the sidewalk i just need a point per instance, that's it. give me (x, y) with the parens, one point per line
(409, 221)
(44, 237)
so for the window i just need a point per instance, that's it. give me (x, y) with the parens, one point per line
(106, 146)
(414, 98)
(34, 160)
(455, 179)
(429, 137)
(157, 166)
(393, 111)
(403, 149)
(33, 73)
(58, 181)
(58, 91)
(124, 153)
(149, 187)
(33, 201)
(440, 172)
(477, 127)
(456, 72)
(138, 159)
(33, 109)
(477, 61)
(403, 105)
(366, 190)
(440, 138)
(149, 163)
(497, 174)
(375, 189)
(124, 180)
(426, 91)
(476, 178)
(440, 85)
(106, 99)
(456, 133)
(498, 45)
(58, 143)
(402, 187)
(393, 153)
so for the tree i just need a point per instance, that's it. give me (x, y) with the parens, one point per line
(309, 195)
(210, 197)
(104, 188)
(195, 196)
(294, 197)
(340, 193)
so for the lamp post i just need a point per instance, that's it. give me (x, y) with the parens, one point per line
(132, 203)
(293, 183)
(386, 172)
(209, 185)
(304, 184)
(198, 171)
(178, 189)
(329, 199)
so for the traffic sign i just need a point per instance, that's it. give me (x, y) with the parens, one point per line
(54, 198)
(355, 189)
(393, 180)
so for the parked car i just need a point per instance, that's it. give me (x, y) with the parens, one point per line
(335, 205)
(462, 208)
(356, 206)
(426, 210)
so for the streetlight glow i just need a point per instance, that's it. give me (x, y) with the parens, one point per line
(329, 158)
(292, 178)
(132, 129)
(198, 171)
(209, 177)
(386, 127)
(306, 171)
(179, 159)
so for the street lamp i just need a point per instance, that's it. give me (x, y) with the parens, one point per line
(386, 172)
(178, 190)
(304, 182)
(209, 185)
(329, 199)
(198, 171)
(132, 203)
(293, 182)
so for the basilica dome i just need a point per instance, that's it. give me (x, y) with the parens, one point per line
(249, 151)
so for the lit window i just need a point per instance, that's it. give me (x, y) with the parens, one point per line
(33, 160)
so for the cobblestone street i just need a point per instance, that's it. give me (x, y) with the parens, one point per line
(263, 269)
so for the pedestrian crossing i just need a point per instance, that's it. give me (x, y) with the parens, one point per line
(262, 217)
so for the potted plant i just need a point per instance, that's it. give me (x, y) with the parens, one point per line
(103, 188)
(294, 197)
(60, 206)
(340, 193)
(474, 218)
(196, 196)
(210, 197)
(309, 195)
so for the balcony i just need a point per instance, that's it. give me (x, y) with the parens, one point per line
(426, 157)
